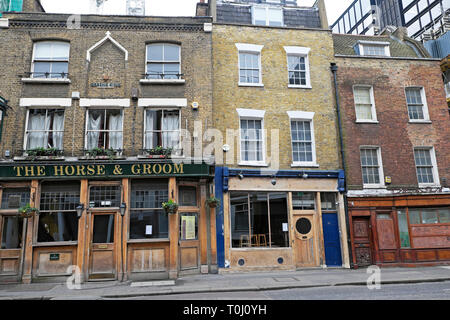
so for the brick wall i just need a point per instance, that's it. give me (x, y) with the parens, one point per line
(394, 134)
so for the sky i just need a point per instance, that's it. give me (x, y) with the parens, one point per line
(169, 7)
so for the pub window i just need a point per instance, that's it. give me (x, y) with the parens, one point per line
(12, 232)
(188, 196)
(58, 219)
(259, 220)
(163, 61)
(15, 198)
(50, 59)
(162, 128)
(45, 129)
(303, 200)
(104, 129)
(403, 229)
(188, 226)
(429, 215)
(147, 218)
(104, 196)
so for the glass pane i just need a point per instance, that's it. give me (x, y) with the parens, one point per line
(328, 201)
(278, 221)
(188, 226)
(429, 216)
(171, 71)
(303, 201)
(58, 68)
(239, 220)
(41, 69)
(42, 50)
(103, 231)
(259, 221)
(444, 215)
(104, 196)
(12, 232)
(57, 226)
(275, 17)
(151, 224)
(155, 52)
(57, 197)
(188, 196)
(403, 229)
(60, 50)
(149, 194)
(15, 198)
(171, 52)
(414, 216)
(259, 16)
(383, 216)
(155, 71)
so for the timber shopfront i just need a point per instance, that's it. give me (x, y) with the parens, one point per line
(106, 219)
(281, 220)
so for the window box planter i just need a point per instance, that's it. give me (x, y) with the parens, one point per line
(102, 154)
(171, 207)
(42, 154)
(158, 153)
(27, 211)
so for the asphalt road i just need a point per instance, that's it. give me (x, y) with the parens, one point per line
(421, 291)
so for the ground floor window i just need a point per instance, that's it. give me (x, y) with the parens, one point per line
(147, 219)
(259, 219)
(11, 231)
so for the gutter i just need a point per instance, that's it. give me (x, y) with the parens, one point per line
(334, 69)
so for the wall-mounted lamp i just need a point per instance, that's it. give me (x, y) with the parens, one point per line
(273, 181)
(123, 208)
(240, 176)
(305, 176)
(80, 210)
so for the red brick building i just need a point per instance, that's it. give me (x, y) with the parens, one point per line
(396, 135)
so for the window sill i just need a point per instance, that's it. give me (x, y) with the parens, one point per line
(374, 186)
(292, 86)
(148, 240)
(250, 84)
(429, 185)
(46, 80)
(162, 81)
(40, 158)
(56, 244)
(367, 121)
(253, 164)
(420, 121)
(304, 165)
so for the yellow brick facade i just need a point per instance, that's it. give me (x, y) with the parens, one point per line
(275, 97)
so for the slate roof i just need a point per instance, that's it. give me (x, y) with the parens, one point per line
(409, 48)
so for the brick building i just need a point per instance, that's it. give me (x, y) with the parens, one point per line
(95, 140)
(395, 128)
(278, 175)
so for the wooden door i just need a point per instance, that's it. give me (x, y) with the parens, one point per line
(11, 238)
(305, 241)
(362, 241)
(103, 246)
(189, 243)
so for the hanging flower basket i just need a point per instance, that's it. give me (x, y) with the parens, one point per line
(27, 211)
(170, 206)
(213, 202)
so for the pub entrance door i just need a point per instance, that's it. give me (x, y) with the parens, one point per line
(102, 252)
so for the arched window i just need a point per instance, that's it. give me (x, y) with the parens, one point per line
(50, 59)
(163, 61)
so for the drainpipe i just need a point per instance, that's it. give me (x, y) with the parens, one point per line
(334, 69)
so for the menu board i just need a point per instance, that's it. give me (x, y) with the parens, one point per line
(188, 228)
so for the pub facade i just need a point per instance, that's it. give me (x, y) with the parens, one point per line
(98, 137)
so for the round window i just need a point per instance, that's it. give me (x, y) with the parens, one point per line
(303, 226)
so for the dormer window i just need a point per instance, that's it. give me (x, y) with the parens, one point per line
(267, 16)
(373, 48)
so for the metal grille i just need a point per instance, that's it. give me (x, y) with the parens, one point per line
(104, 196)
(59, 201)
(15, 198)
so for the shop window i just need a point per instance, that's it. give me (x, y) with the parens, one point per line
(162, 128)
(104, 196)
(147, 218)
(188, 196)
(188, 226)
(259, 220)
(163, 61)
(58, 219)
(15, 198)
(328, 201)
(104, 128)
(12, 231)
(50, 59)
(403, 229)
(429, 215)
(45, 129)
(303, 200)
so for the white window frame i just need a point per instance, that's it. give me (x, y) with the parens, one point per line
(50, 61)
(267, 8)
(372, 101)
(25, 138)
(387, 50)
(435, 170)
(303, 116)
(147, 62)
(250, 114)
(101, 130)
(380, 169)
(254, 49)
(299, 52)
(160, 109)
(426, 115)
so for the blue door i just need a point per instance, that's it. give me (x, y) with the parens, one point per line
(332, 240)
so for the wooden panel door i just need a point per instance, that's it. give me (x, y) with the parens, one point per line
(305, 241)
(11, 238)
(362, 236)
(102, 251)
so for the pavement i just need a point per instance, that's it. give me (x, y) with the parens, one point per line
(227, 282)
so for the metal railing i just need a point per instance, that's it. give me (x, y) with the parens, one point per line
(163, 76)
(48, 75)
